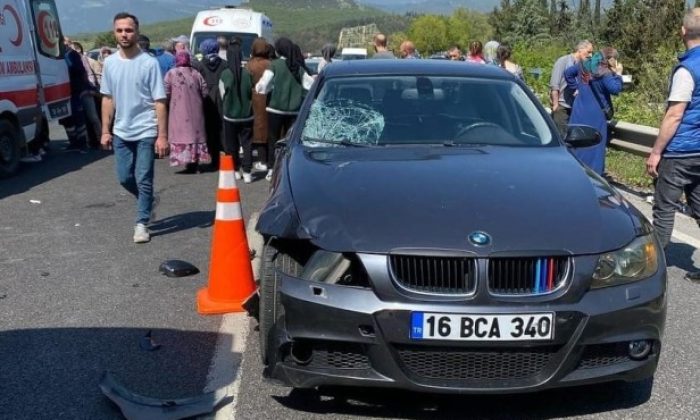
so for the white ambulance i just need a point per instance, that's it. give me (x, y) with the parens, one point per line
(34, 80)
(231, 22)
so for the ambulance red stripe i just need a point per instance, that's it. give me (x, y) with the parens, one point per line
(21, 98)
(57, 93)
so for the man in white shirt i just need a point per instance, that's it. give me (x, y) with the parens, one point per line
(133, 97)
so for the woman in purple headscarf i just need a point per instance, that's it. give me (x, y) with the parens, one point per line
(186, 88)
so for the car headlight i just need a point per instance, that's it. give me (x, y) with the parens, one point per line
(634, 262)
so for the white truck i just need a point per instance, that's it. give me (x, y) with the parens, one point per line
(353, 54)
(34, 84)
(231, 22)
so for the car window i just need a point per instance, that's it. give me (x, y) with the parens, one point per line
(387, 110)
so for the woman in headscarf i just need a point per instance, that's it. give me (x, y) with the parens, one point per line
(328, 52)
(211, 68)
(258, 63)
(186, 90)
(286, 80)
(236, 90)
(594, 81)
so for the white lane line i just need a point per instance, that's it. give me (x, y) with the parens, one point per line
(228, 357)
(695, 243)
(224, 371)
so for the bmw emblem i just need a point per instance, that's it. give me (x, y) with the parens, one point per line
(479, 238)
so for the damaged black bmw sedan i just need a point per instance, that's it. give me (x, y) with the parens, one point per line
(428, 229)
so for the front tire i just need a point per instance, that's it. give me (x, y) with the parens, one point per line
(9, 148)
(274, 261)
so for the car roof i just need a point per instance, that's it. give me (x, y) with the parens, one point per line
(415, 68)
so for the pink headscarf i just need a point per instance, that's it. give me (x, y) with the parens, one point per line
(182, 59)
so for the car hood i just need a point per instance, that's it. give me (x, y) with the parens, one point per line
(528, 200)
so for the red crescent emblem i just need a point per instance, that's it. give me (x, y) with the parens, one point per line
(18, 40)
(212, 21)
(42, 24)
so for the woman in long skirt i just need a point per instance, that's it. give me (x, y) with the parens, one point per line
(186, 88)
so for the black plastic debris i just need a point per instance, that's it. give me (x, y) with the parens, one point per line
(138, 407)
(146, 342)
(177, 268)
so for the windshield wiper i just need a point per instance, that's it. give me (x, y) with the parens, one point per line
(343, 142)
(452, 143)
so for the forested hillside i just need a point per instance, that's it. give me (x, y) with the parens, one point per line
(309, 22)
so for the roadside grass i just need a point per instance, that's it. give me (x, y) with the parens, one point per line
(628, 169)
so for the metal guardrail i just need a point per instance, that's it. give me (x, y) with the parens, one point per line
(632, 138)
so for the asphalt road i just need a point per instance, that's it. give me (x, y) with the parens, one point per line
(76, 296)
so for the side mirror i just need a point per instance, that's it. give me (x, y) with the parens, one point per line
(582, 136)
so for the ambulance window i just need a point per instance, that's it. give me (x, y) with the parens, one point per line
(49, 39)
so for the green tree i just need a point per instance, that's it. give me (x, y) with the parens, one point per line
(395, 40)
(596, 15)
(502, 19)
(638, 28)
(646, 34)
(465, 25)
(584, 20)
(429, 34)
(523, 20)
(105, 39)
(563, 22)
(531, 22)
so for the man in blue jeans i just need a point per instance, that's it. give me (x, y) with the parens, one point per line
(675, 157)
(134, 99)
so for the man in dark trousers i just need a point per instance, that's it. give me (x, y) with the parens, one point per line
(75, 124)
(675, 158)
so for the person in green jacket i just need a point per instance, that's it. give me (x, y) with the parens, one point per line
(286, 80)
(236, 90)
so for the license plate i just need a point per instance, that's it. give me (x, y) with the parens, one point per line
(473, 327)
(58, 110)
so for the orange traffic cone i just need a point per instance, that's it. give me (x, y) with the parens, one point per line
(230, 271)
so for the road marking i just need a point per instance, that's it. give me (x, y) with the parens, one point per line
(225, 369)
(687, 239)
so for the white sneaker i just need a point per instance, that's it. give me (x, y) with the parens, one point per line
(141, 234)
(237, 175)
(259, 166)
(247, 177)
(269, 175)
